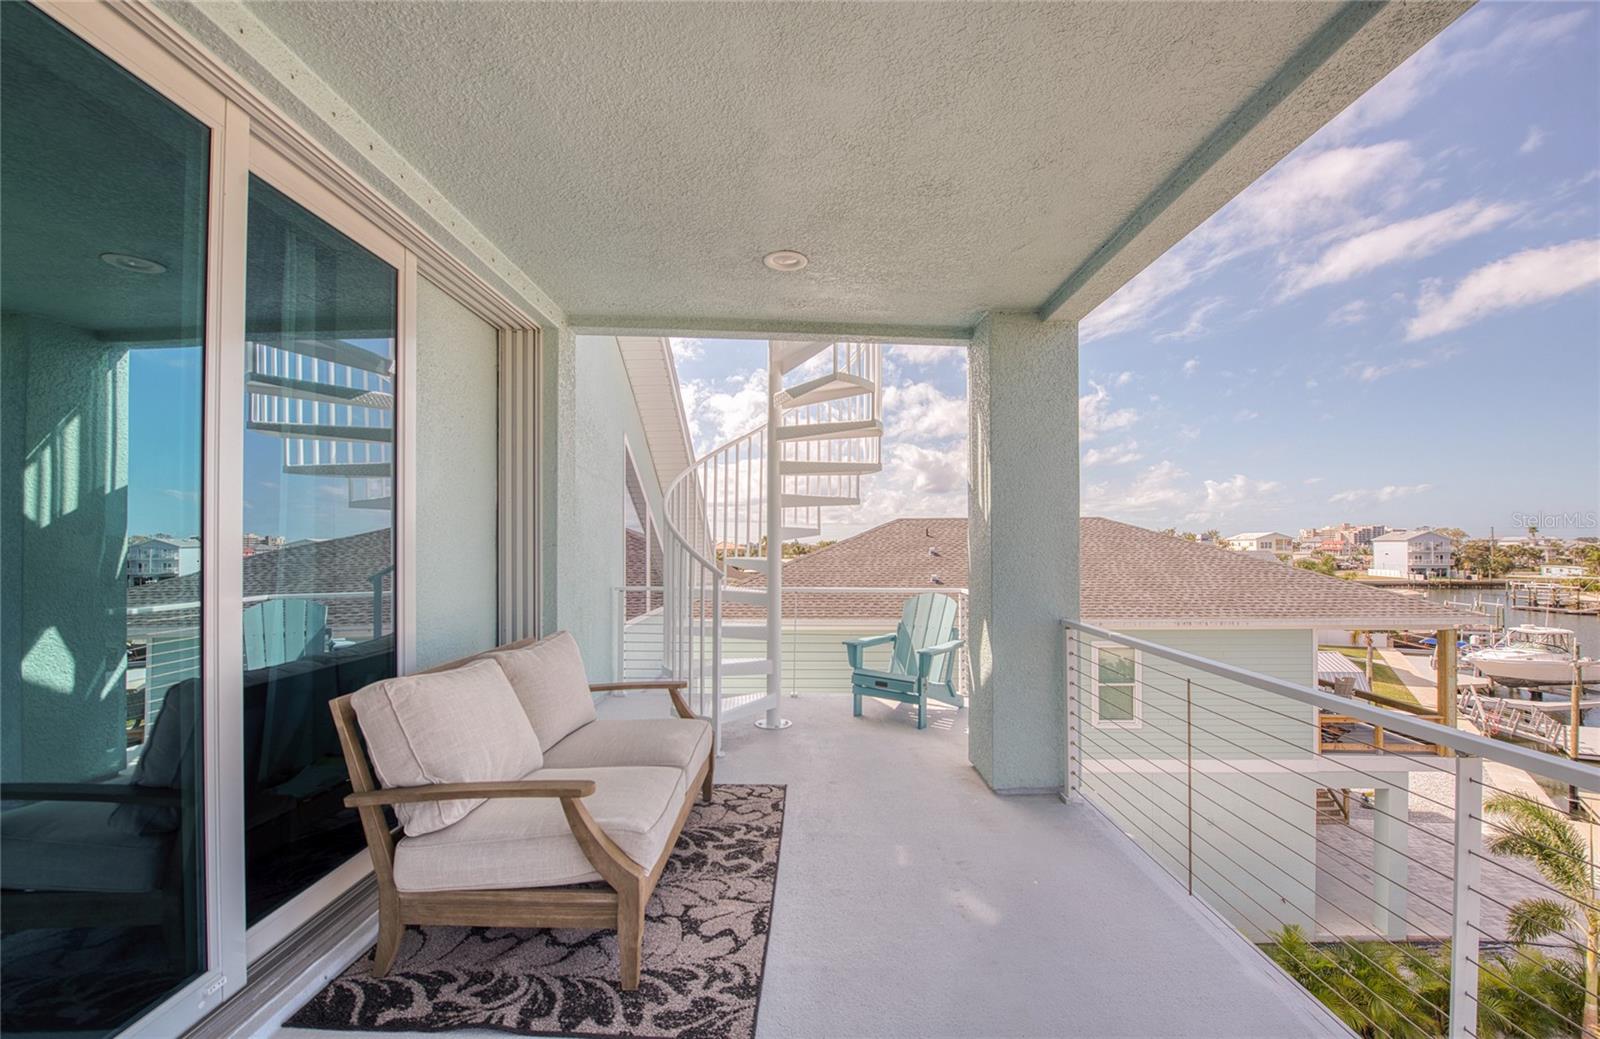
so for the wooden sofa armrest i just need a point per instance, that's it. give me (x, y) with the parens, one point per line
(673, 686)
(395, 795)
(643, 683)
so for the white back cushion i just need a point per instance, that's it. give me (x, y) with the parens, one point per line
(458, 726)
(550, 682)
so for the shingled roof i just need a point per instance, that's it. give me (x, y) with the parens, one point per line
(1129, 577)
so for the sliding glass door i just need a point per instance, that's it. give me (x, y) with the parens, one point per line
(103, 260)
(319, 517)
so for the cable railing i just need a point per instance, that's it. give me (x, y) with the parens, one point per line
(1414, 892)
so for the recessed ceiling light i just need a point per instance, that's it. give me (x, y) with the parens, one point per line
(133, 264)
(785, 260)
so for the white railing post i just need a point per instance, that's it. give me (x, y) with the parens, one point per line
(1466, 905)
(716, 669)
(1073, 764)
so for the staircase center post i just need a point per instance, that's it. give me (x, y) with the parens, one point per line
(774, 506)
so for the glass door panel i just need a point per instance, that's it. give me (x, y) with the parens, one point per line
(103, 216)
(319, 557)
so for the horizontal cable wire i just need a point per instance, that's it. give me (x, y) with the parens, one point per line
(1431, 766)
(1423, 764)
(1285, 924)
(1312, 887)
(1258, 756)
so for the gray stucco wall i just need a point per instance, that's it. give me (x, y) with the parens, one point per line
(589, 414)
(63, 629)
(1022, 500)
(457, 456)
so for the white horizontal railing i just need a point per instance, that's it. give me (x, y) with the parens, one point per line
(814, 660)
(1419, 880)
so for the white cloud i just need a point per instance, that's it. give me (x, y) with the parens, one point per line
(1159, 489)
(1307, 193)
(1352, 313)
(1224, 496)
(1533, 142)
(920, 410)
(915, 481)
(718, 414)
(1434, 65)
(1246, 415)
(1096, 416)
(1116, 454)
(1122, 379)
(1398, 242)
(923, 355)
(1195, 326)
(1374, 371)
(1379, 495)
(1164, 493)
(687, 349)
(1520, 280)
(1191, 366)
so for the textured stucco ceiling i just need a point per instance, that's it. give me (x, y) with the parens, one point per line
(933, 160)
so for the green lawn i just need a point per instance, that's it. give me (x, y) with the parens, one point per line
(1384, 681)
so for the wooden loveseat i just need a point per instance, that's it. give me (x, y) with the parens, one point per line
(513, 798)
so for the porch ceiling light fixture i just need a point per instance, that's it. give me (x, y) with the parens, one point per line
(133, 264)
(785, 260)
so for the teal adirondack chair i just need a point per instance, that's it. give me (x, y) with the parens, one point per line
(277, 631)
(923, 662)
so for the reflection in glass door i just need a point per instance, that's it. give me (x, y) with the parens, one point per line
(102, 313)
(319, 554)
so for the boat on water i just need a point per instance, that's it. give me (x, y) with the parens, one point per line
(1532, 655)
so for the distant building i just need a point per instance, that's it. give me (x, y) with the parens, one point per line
(153, 559)
(1261, 541)
(254, 543)
(1561, 570)
(1418, 553)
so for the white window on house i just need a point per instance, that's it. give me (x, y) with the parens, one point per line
(1117, 699)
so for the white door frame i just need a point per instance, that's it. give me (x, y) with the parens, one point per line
(251, 135)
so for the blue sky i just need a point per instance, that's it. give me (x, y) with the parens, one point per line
(1399, 323)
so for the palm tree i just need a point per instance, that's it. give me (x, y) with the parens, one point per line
(1546, 839)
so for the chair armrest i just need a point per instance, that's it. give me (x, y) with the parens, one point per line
(853, 647)
(104, 793)
(673, 686)
(562, 788)
(644, 683)
(941, 649)
(926, 657)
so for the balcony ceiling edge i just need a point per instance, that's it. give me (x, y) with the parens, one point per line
(1359, 45)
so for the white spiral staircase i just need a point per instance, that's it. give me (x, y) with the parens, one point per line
(728, 515)
(332, 404)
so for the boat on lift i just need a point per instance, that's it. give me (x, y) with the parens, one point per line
(1532, 655)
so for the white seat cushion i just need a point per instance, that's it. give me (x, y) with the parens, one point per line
(74, 846)
(517, 842)
(666, 742)
(458, 726)
(550, 681)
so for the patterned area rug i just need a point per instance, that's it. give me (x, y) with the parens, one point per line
(705, 946)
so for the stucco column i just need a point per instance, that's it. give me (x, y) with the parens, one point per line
(1391, 838)
(1023, 545)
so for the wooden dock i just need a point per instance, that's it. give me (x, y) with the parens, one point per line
(1553, 596)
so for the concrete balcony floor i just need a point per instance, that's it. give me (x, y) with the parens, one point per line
(913, 902)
